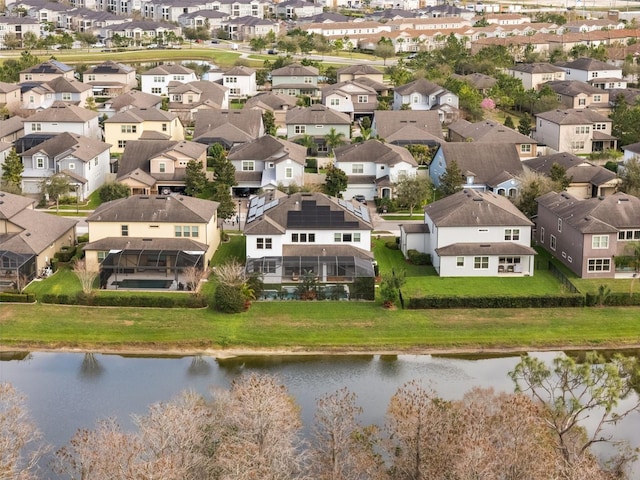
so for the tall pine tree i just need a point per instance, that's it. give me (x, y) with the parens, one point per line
(12, 170)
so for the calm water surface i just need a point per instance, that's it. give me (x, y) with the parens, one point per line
(67, 391)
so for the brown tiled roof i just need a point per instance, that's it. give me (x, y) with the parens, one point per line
(487, 160)
(374, 151)
(79, 146)
(63, 113)
(269, 149)
(316, 114)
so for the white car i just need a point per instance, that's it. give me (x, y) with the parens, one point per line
(98, 45)
(152, 45)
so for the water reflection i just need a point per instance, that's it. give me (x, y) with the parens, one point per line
(91, 369)
(199, 366)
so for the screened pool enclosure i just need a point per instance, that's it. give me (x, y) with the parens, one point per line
(324, 269)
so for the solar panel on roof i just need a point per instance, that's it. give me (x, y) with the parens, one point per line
(260, 201)
(365, 215)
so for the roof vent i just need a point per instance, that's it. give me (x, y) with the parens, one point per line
(477, 199)
(485, 246)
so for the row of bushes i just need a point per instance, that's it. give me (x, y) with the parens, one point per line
(418, 258)
(545, 301)
(11, 297)
(159, 301)
(612, 300)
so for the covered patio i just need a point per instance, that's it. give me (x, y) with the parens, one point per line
(16, 269)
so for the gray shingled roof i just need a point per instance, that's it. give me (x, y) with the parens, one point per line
(498, 248)
(62, 85)
(421, 85)
(587, 64)
(316, 114)
(594, 215)
(138, 153)
(474, 208)
(8, 87)
(486, 160)
(11, 125)
(246, 121)
(571, 88)
(155, 208)
(577, 168)
(11, 204)
(359, 70)
(374, 151)
(175, 69)
(61, 112)
(274, 101)
(488, 131)
(534, 68)
(294, 70)
(139, 115)
(325, 251)
(269, 149)
(573, 116)
(393, 122)
(136, 99)
(78, 146)
(133, 243)
(240, 71)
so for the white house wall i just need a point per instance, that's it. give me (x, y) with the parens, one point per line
(323, 237)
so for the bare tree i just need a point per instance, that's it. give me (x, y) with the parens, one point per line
(421, 434)
(259, 434)
(342, 448)
(21, 444)
(194, 276)
(231, 273)
(85, 275)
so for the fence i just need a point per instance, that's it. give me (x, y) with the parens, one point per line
(566, 283)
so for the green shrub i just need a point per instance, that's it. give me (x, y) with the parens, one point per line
(229, 299)
(363, 288)
(157, 301)
(84, 238)
(311, 163)
(419, 258)
(14, 297)
(66, 254)
(392, 245)
(545, 301)
(618, 299)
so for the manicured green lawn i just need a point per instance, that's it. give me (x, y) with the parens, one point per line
(423, 280)
(316, 326)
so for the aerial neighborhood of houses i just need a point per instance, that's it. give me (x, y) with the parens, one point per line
(381, 120)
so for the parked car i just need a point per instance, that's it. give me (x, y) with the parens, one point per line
(152, 45)
(272, 51)
(360, 198)
(98, 45)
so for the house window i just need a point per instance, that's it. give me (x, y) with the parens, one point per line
(264, 243)
(300, 129)
(415, 99)
(178, 231)
(195, 231)
(156, 90)
(308, 80)
(158, 79)
(481, 263)
(626, 235)
(512, 234)
(357, 168)
(248, 166)
(288, 172)
(363, 98)
(72, 166)
(231, 80)
(91, 78)
(356, 237)
(597, 98)
(542, 235)
(36, 127)
(334, 102)
(525, 148)
(122, 143)
(124, 230)
(66, 96)
(28, 76)
(582, 101)
(162, 167)
(600, 241)
(599, 265)
(267, 266)
(459, 262)
(559, 224)
(102, 256)
(577, 145)
(552, 242)
(270, 165)
(164, 127)
(303, 237)
(128, 128)
(234, 91)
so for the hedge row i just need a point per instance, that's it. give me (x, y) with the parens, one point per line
(173, 301)
(440, 302)
(17, 297)
(612, 300)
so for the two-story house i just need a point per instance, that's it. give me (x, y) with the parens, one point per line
(159, 166)
(592, 237)
(266, 164)
(355, 72)
(579, 131)
(140, 123)
(157, 79)
(69, 91)
(276, 103)
(317, 121)
(533, 75)
(11, 129)
(227, 127)
(18, 26)
(156, 238)
(597, 73)
(484, 166)
(373, 168)
(110, 79)
(29, 239)
(577, 94)
(473, 234)
(422, 94)
(490, 131)
(62, 117)
(295, 79)
(46, 71)
(309, 234)
(407, 127)
(248, 27)
(126, 101)
(350, 97)
(185, 99)
(241, 81)
(586, 179)
(85, 161)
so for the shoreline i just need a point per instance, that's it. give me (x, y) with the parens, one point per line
(224, 354)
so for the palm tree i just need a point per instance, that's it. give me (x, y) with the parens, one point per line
(334, 139)
(306, 141)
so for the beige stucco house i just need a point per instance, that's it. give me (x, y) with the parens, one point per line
(138, 123)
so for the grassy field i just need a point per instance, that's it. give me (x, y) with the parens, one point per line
(317, 326)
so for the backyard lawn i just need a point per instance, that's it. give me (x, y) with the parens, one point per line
(423, 280)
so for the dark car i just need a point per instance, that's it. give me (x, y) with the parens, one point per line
(272, 51)
(360, 198)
